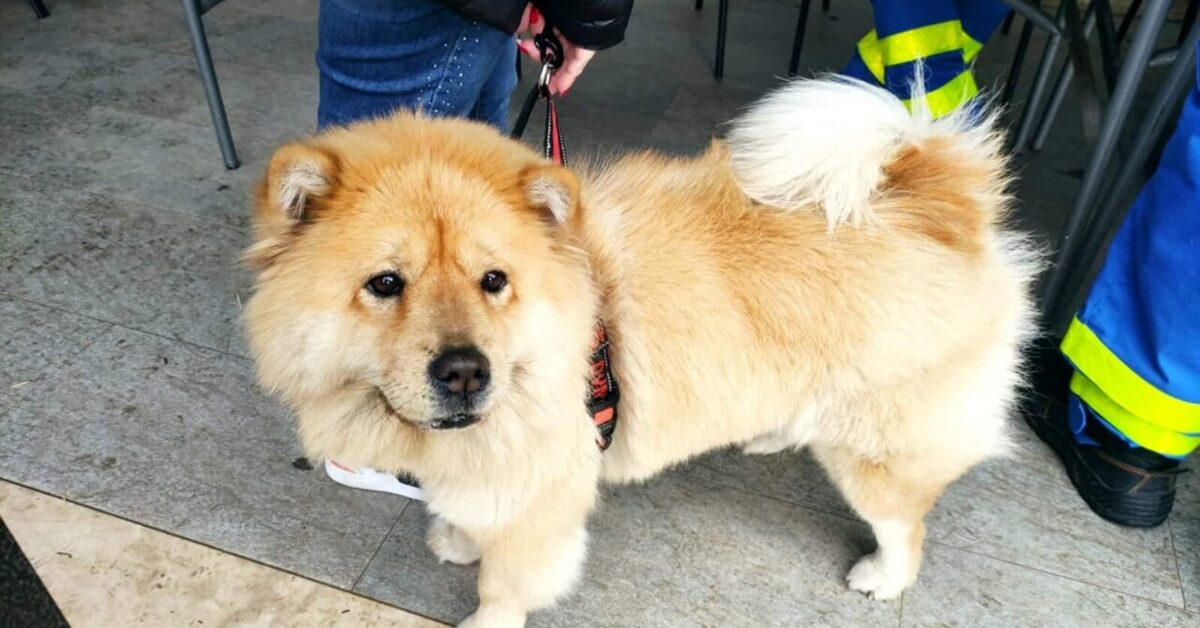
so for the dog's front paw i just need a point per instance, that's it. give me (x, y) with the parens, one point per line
(494, 617)
(870, 575)
(449, 543)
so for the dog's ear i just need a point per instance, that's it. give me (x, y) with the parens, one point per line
(298, 173)
(298, 177)
(551, 189)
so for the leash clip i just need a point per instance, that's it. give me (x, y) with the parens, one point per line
(551, 51)
(543, 84)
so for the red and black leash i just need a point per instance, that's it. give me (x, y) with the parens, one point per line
(552, 56)
(603, 393)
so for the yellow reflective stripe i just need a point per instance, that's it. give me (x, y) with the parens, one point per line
(915, 44)
(970, 48)
(922, 42)
(950, 96)
(1148, 435)
(1088, 353)
(868, 49)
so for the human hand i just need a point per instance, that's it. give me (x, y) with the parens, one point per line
(575, 58)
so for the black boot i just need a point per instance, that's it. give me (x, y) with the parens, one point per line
(1126, 485)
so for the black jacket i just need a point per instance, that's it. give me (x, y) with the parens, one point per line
(595, 24)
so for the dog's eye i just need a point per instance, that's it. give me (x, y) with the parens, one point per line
(385, 285)
(493, 281)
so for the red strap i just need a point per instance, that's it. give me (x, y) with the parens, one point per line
(554, 149)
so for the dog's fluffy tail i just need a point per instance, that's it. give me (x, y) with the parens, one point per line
(837, 145)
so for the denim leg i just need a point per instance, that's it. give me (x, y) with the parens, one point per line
(492, 106)
(376, 56)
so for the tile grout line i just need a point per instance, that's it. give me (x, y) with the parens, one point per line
(951, 547)
(94, 340)
(187, 55)
(382, 541)
(1064, 577)
(214, 548)
(128, 327)
(55, 370)
(775, 498)
(143, 205)
(1178, 570)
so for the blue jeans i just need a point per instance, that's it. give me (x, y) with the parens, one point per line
(377, 56)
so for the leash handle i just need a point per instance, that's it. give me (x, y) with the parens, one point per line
(551, 51)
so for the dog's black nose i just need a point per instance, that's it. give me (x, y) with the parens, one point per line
(460, 372)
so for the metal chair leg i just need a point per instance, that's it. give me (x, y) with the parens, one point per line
(1008, 22)
(699, 5)
(1127, 21)
(1014, 71)
(1107, 34)
(1029, 113)
(1189, 18)
(722, 26)
(1061, 86)
(825, 6)
(798, 38)
(1114, 118)
(39, 9)
(1153, 130)
(192, 11)
(1090, 109)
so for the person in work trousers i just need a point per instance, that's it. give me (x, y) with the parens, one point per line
(1133, 405)
(445, 58)
(944, 36)
(1133, 409)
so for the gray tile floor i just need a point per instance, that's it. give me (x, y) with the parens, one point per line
(124, 383)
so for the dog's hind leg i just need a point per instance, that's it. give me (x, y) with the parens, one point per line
(893, 496)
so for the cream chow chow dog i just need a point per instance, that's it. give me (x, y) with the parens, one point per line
(835, 274)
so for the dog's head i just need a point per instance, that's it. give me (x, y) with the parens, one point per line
(424, 265)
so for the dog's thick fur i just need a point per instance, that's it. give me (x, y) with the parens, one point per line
(834, 275)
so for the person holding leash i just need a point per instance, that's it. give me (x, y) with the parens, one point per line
(448, 57)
